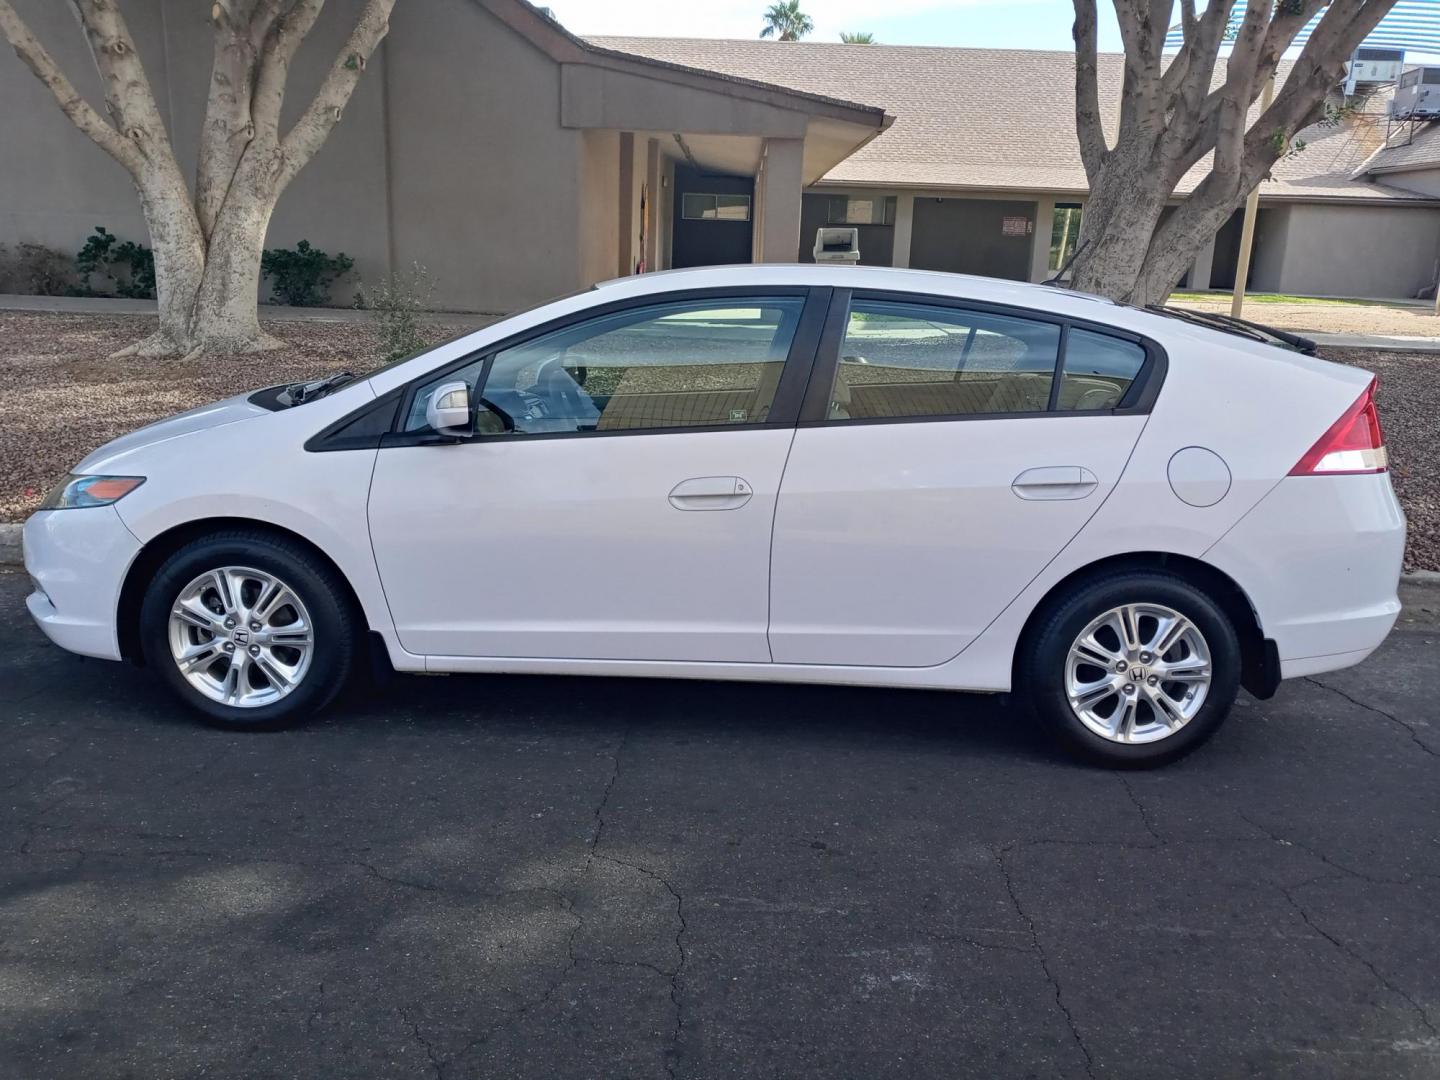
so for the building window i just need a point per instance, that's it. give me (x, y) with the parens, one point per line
(860, 210)
(698, 207)
(1064, 231)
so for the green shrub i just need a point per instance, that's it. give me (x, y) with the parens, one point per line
(129, 266)
(302, 276)
(398, 301)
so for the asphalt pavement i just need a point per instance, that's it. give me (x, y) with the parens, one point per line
(544, 877)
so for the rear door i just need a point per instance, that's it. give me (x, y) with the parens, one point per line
(945, 454)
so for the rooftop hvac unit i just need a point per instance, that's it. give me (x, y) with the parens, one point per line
(1377, 65)
(837, 245)
(1417, 97)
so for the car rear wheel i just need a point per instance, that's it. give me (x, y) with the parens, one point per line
(1133, 669)
(250, 629)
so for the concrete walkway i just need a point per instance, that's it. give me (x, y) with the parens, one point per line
(1396, 343)
(98, 305)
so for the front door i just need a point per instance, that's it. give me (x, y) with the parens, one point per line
(937, 468)
(617, 498)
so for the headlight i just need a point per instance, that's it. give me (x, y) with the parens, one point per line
(79, 491)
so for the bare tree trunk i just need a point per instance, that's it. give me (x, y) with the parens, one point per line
(208, 248)
(1173, 115)
(226, 317)
(1115, 231)
(179, 265)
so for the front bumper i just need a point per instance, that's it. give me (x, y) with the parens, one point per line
(77, 560)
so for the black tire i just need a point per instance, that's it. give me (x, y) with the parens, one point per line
(1041, 671)
(337, 627)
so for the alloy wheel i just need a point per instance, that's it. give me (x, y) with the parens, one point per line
(241, 636)
(1138, 673)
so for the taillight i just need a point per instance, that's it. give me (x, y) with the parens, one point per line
(1354, 443)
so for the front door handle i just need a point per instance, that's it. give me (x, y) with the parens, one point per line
(710, 493)
(1055, 482)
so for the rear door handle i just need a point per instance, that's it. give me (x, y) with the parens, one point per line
(1054, 482)
(711, 493)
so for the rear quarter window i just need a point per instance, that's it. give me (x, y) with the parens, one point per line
(1099, 370)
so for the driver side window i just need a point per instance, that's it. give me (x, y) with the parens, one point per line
(694, 363)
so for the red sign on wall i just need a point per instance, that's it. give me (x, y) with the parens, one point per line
(1019, 225)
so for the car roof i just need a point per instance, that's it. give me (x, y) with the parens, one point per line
(932, 282)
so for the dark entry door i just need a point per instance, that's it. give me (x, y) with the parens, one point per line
(973, 236)
(712, 219)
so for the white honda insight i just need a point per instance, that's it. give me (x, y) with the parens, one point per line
(824, 474)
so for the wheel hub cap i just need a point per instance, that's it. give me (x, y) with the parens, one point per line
(1138, 673)
(241, 636)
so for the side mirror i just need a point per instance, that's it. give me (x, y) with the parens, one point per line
(449, 409)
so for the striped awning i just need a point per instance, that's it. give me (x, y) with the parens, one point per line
(1413, 25)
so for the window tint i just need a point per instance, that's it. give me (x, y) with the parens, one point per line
(1098, 370)
(691, 364)
(902, 360)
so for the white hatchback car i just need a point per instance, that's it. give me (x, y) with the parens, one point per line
(787, 473)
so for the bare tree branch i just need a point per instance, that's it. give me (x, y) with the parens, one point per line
(287, 31)
(1088, 124)
(80, 112)
(127, 87)
(324, 112)
(227, 128)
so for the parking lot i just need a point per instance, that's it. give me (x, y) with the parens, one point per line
(457, 877)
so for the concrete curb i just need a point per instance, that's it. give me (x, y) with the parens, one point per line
(10, 555)
(10, 546)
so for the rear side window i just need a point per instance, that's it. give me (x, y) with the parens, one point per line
(1098, 370)
(912, 360)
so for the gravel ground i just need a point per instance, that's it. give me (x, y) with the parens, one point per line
(1321, 318)
(60, 396)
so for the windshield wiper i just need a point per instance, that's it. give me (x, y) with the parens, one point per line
(1229, 324)
(299, 393)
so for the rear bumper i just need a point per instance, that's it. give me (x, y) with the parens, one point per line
(77, 560)
(1320, 558)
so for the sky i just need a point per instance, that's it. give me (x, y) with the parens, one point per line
(1013, 24)
(1024, 24)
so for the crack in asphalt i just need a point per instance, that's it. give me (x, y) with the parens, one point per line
(404, 883)
(1414, 735)
(315, 1012)
(27, 774)
(1380, 977)
(1316, 853)
(1039, 951)
(416, 1034)
(674, 975)
(574, 959)
(1160, 841)
(620, 745)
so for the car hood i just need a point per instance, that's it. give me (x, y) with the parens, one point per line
(214, 415)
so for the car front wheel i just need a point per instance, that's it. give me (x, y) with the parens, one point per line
(249, 628)
(1133, 669)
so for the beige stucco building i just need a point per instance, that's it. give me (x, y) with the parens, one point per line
(516, 161)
